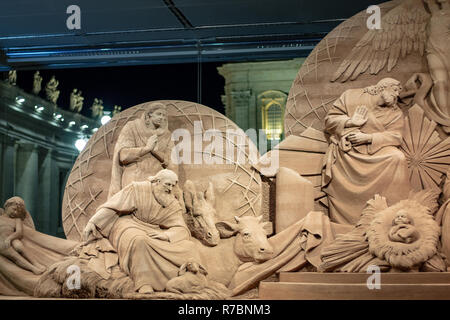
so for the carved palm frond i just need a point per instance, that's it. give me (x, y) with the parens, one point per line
(427, 154)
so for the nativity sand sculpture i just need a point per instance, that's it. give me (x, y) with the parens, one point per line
(362, 183)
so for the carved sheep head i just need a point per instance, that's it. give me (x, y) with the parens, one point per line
(251, 237)
(192, 267)
(201, 215)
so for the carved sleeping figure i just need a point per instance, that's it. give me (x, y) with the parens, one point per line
(11, 233)
(403, 229)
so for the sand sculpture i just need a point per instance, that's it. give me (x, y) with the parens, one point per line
(154, 208)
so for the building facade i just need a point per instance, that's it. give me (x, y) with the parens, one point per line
(37, 152)
(256, 94)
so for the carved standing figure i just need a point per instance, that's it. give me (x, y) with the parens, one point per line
(37, 83)
(97, 108)
(11, 233)
(51, 90)
(144, 223)
(143, 148)
(76, 101)
(363, 157)
(12, 77)
(438, 51)
(116, 110)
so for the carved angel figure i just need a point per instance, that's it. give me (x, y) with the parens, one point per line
(401, 237)
(414, 26)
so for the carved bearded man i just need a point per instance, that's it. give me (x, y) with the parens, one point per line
(144, 223)
(143, 148)
(363, 159)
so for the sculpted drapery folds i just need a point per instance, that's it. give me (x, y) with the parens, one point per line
(143, 148)
(144, 224)
(363, 159)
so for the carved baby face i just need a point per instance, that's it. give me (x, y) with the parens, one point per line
(401, 218)
(14, 210)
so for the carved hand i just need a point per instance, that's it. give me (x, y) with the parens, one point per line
(158, 235)
(359, 117)
(152, 141)
(88, 230)
(359, 138)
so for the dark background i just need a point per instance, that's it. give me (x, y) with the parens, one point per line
(131, 85)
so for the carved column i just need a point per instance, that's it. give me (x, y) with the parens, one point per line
(7, 169)
(227, 106)
(240, 102)
(46, 192)
(27, 178)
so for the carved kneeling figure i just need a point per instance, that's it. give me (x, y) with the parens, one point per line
(191, 279)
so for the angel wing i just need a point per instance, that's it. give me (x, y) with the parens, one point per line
(403, 31)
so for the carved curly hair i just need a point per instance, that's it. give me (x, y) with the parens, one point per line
(381, 85)
(21, 212)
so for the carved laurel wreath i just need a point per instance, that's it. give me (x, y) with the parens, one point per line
(398, 254)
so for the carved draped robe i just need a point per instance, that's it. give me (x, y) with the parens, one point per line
(135, 135)
(128, 217)
(353, 175)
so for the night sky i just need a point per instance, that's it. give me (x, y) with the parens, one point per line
(131, 85)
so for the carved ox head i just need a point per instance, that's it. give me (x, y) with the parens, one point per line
(201, 214)
(251, 237)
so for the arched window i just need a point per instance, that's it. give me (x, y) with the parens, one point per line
(274, 121)
(272, 103)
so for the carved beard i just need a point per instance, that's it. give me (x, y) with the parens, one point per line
(161, 196)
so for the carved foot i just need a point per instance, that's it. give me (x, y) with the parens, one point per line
(146, 289)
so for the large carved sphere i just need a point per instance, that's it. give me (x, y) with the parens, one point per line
(237, 185)
(313, 93)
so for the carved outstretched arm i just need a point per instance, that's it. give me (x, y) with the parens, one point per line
(107, 214)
